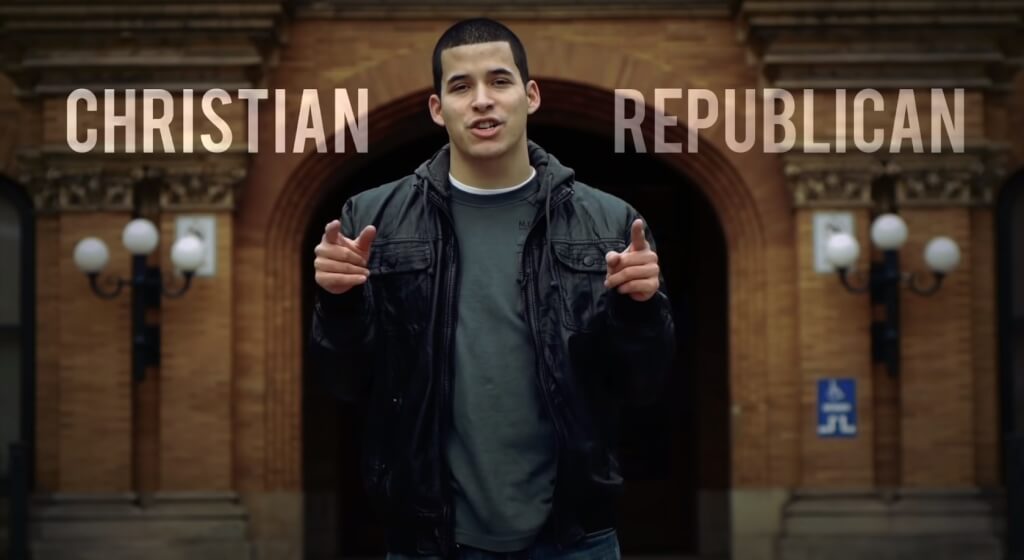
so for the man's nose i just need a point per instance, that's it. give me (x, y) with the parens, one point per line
(482, 99)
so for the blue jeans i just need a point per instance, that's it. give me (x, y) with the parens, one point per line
(601, 545)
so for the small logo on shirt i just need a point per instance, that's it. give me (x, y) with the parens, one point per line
(524, 225)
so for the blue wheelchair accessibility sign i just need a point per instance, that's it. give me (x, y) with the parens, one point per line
(837, 408)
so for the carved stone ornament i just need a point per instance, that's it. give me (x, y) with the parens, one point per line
(968, 179)
(81, 190)
(59, 186)
(212, 189)
(920, 180)
(833, 182)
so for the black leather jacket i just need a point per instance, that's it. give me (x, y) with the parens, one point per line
(390, 343)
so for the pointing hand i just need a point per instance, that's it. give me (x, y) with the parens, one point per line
(341, 262)
(635, 270)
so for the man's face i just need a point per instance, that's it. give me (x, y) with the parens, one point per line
(483, 102)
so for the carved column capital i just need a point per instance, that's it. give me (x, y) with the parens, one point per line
(61, 184)
(834, 181)
(201, 188)
(968, 179)
(919, 180)
(84, 189)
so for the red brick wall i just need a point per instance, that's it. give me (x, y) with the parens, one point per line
(229, 389)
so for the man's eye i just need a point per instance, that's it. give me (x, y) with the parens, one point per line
(459, 87)
(502, 82)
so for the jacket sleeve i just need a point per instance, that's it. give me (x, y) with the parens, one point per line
(640, 337)
(341, 335)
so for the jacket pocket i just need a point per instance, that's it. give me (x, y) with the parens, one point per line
(581, 272)
(401, 274)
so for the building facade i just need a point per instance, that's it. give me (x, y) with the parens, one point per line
(228, 449)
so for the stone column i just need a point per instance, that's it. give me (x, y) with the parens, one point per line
(143, 468)
(908, 487)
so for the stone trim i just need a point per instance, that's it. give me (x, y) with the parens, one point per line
(920, 180)
(55, 48)
(511, 9)
(832, 181)
(86, 190)
(949, 180)
(57, 185)
(894, 523)
(126, 526)
(859, 44)
(210, 189)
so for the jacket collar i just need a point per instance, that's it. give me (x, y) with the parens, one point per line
(552, 175)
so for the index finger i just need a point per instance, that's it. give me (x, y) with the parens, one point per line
(637, 239)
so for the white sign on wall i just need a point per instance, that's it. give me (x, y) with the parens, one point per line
(826, 224)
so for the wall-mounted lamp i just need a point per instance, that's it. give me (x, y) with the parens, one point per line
(888, 233)
(141, 238)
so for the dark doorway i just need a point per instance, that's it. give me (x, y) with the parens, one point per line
(17, 367)
(675, 454)
(1010, 240)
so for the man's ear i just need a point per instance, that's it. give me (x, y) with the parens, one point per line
(434, 105)
(532, 97)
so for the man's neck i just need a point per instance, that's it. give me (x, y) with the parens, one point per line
(512, 169)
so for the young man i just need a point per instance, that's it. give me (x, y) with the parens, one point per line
(493, 313)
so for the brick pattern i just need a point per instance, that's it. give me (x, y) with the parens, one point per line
(937, 385)
(227, 398)
(94, 411)
(577, 54)
(19, 126)
(834, 341)
(984, 345)
(249, 391)
(195, 373)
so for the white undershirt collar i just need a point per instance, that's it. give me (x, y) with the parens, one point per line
(476, 190)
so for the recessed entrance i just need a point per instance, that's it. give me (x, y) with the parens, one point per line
(675, 455)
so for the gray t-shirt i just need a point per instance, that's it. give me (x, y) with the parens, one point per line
(503, 448)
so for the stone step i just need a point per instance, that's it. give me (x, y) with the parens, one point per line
(908, 514)
(889, 548)
(117, 527)
(149, 550)
(115, 519)
(938, 525)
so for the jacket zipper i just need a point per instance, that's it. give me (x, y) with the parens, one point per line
(447, 539)
(529, 292)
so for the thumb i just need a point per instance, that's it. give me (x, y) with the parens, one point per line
(365, 239)
(332, 233)
(637, 241)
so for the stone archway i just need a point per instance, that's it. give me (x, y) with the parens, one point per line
(727, 192)
(754, 221)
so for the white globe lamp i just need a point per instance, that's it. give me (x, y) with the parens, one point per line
(188, 253)
(842, 250)
(140, 237)
(91, 255)
(888, 232)
(942, 255)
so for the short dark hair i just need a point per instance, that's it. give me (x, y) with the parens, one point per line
(478, 30)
